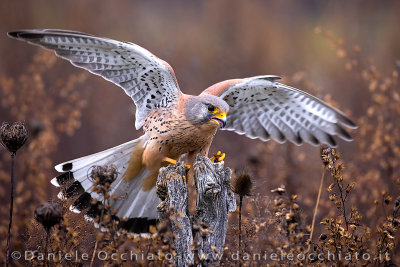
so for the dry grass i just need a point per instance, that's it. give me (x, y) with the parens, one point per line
(358, 212)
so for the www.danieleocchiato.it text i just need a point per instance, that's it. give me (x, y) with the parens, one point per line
(235, 256)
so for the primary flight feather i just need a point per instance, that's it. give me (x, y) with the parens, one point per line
(176, 125)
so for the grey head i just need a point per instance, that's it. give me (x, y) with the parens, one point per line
(206, 108)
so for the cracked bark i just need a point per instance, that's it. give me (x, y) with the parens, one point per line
(213, 203)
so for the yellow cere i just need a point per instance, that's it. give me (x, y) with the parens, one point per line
(220, 116)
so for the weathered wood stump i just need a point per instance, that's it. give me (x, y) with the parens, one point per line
(173, 192)
(213, 203)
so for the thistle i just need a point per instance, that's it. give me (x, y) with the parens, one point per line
(12, 137)
(48, 215)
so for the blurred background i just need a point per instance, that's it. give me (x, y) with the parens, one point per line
(344, 52)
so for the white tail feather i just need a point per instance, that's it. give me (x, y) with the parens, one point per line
(132, 201)
(101, 158)
(54, 182)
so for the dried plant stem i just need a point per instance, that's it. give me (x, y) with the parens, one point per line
(316, 208)
(149, 247)
(97, 241)
(94, 253)
(240, 219)
(45, 248)
(343, 201)
(240, 224)
(11, 208)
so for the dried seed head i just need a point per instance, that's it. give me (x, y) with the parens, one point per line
(48, 214)
(13, 137)
(243, 185)
(253, 159)
(388, 199)
(104, 174)
(278, 201)
(329, 155)
(35, 128)
(280, 190)
(326, 154)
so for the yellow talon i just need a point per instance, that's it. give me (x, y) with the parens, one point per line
(172, 161)
(219, 156)
(169, 160)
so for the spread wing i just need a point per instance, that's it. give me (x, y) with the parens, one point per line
(260, 107)
(148, 80)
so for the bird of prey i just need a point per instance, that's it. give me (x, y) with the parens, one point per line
(176, 125)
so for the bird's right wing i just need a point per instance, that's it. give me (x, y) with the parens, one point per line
(260, 107)
(148, 80)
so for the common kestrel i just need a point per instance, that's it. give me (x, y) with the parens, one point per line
(176, 125)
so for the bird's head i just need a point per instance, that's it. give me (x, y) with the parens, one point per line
(206, 109)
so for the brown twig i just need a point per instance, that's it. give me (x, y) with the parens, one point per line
(343, 201)
(97, 241)
(240, 226)
(315, 211)
(11, 208)
(316, 207)
(45, 248)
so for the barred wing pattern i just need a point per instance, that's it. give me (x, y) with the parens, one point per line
(148, 80)
(260, 107)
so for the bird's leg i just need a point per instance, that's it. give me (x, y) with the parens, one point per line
(172, 161)
(219, 156)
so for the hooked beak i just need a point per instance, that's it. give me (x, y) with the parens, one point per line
(220, 119)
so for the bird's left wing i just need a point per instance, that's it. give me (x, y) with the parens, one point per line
(148, 80)
(260, 107)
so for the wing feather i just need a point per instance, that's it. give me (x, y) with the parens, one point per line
(148, 80)
(260, 107)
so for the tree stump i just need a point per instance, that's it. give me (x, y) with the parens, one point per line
(213, 203)
(173, 192)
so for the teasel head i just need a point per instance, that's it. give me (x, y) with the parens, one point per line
(243, 185)
(13, 137)
(49, 215)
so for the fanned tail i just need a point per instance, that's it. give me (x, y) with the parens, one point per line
(136, 208)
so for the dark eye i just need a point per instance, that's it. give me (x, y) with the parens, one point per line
(211, 108)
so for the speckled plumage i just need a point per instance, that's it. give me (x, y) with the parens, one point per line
(177, 125)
